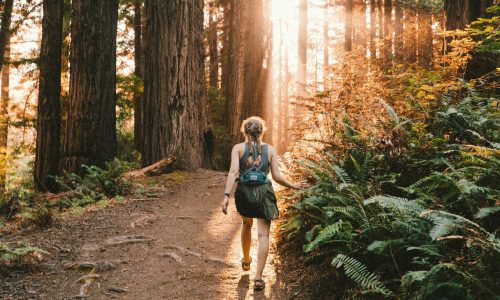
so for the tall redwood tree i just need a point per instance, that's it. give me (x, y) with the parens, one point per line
(49, 102)
(174, 96)
(90, 133)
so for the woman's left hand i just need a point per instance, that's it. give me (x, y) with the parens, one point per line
(225, 202)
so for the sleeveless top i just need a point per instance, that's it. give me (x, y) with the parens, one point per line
(264, 163)
(256, 201)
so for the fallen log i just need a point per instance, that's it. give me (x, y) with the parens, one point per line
(165, 165)
(50, 197)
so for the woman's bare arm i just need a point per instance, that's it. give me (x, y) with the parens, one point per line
(231, 177)
(233, 170)
(276, 172)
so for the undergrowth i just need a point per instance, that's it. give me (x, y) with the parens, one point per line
(95, 186)
(412, 211)
(20, 255)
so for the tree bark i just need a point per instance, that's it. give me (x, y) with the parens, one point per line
(360, 33)
(286, 111)
(49, 102)
(175, 103)
(457, 14)
(302, 49)
(373, 31)
(213, 52)
(326, 41)
(387, 47)
(424, 41)
(348, 24)
(5, 29)
(410, 36)
(90, 133)
(280, 133)
(4, 113)
(247, 63)
(4, 117)
(380, 32)
(139, 73)
(398, 31)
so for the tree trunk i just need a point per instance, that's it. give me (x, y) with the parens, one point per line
(348, 24)
(483, 6)
(4, 117)
(380, 33)
(280, 133)
(457, 14)
(361, 32)
(387, 47)
(424, 41)
(5, 29)
(268, 71)
(213, 50)
(90, 133)
(236, 14)
(286, 105)
(398, 31)
(326, 42)
(373, 30)
(4, 99)
(257, 62)
(139, 73)
(175, 104)
(302, 50)
(49, 102)
(247, 63)
(410, 36)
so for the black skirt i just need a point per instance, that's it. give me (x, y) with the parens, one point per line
(256, 201)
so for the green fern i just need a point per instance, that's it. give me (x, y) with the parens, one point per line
(401, 206)
(358, 272)
(487, 211)
(449, 219)
(342, 174)
(413, 278)
(339, 229)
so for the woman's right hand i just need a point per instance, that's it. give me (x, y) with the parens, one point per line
(225, 202)
(299, 186)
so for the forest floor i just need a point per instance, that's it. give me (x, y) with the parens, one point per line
(175, 245)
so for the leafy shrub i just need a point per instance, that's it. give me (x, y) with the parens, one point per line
(411, 213)
(221, 148)
(40, 215)
(21, 255)
(97, 184)
(126, 148)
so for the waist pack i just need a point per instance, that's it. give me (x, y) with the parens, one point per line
(253, 176)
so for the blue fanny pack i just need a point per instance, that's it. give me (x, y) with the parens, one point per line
(253, 176)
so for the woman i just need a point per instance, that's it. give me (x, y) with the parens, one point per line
(254, 201)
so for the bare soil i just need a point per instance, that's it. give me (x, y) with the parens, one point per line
(177, 245)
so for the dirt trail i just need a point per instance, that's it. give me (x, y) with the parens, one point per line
(179, 246)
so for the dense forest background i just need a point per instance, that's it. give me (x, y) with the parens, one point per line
(389, 109)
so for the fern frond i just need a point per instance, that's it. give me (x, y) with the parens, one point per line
(468, 187)
(412, 278)
(348, 211)
(342, 174)
(358, 272)
(400, 205)
(435, 270)
(430, 250)
(438, 216)
(326, 235)
(486, 212)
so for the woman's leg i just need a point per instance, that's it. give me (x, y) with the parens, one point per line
(263, 227)
(246, 237)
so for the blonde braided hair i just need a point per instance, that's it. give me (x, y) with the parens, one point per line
(254, 127)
